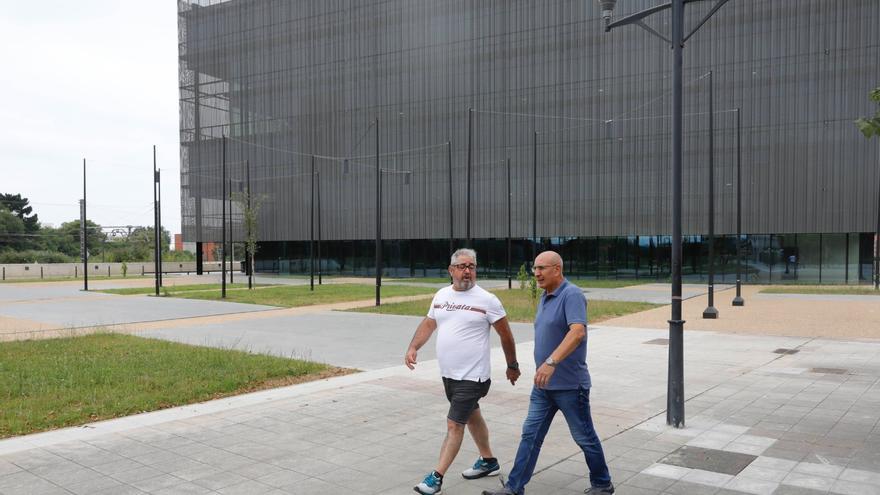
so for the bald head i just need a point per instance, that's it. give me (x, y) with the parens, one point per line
(548, 270)
(549, 258)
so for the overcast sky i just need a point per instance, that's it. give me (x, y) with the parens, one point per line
(93, 79)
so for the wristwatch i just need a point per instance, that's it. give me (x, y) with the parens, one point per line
(550, 362)
(514, 365)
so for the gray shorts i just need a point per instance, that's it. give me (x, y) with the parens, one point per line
(464, 397)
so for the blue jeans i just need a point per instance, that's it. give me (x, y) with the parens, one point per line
(575, 406)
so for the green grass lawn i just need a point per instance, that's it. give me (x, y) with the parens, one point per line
(519, 307)
(48, 384)
(819, 289)
(172, 289)
(607, 283)
(421, 280)
(290, 296)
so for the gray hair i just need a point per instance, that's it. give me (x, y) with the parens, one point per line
(463, 252)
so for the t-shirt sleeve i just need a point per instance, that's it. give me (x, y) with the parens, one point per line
(575, 307)
(495, 310)
(431, 314)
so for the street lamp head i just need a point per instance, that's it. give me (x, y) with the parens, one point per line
(607, 7)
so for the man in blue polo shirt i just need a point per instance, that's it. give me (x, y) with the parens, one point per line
(562, 382)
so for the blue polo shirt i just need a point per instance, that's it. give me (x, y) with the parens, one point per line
(556, 311)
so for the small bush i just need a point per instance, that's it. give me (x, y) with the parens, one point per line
(34, 256)
(522, 276)
(533, 290)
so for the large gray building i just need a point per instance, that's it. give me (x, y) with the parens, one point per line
(579, 117)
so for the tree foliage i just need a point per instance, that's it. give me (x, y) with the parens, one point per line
(19, 206)
(250, 206)
(12, 231)
(24, 240)
(870, 126)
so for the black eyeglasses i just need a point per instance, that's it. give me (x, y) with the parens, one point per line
(465, 266)
(541, 268)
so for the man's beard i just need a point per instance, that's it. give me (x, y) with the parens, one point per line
(464, 284)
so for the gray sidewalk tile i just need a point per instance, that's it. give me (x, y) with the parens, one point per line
(683, 487)
(755, 487)
(314, 486)
(651, 481)
(93, 485)
(796, 490)
(220, 480)
(808, 481)
(281, 478)
(247, 487)
(157, 482)
(184, 489)
(121, 490)
(841, 486)
(136, 474)
(627, 489)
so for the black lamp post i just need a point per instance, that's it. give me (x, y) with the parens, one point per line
(738, 300)
(675, 382)
(378, 222)
(711, 312)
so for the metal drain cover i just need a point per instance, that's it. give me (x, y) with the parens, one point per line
(829, 371)
(717, 461)
(783, 350)
(658, 342)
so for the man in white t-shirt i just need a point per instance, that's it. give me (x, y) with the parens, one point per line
(462, 314)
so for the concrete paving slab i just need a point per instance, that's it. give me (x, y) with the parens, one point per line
(96, 309)
(386, 425)
(353, 340)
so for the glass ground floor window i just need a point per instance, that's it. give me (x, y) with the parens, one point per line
(765, 258)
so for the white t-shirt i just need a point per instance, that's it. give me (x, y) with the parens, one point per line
(463, 319)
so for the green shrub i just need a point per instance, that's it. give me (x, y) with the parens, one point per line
(533, 290)
(34, 256)
(522, 276)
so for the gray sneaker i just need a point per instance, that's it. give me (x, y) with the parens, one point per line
(480, 469)
(431, 485)
(503, 490)
(600, 490)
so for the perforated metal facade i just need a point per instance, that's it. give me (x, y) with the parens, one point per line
(288, 79)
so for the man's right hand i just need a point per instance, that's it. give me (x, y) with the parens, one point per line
(410, 358)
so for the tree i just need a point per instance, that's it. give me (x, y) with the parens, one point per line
(20, 208)
(12, 231)
(870, 127)
(66, 239)
(250, 207)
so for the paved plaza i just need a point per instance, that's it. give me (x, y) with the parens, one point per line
(765, 414)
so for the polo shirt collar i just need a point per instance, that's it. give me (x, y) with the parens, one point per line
(555, 292)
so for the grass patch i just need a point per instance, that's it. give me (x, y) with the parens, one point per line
(290, 296)
(607, 283)
(172, 289)
(54, 383)
(819, 289)
(421, 280)
(519, 307)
